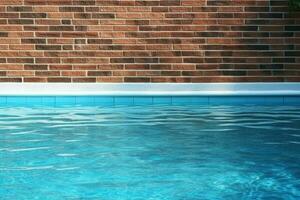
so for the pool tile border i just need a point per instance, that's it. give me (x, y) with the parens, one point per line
(146, 100)
(111, 94)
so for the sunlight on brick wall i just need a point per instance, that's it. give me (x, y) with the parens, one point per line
(149, 41)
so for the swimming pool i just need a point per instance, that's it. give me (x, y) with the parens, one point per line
(165, 152)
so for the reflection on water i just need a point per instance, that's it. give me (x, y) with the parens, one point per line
(150, 152)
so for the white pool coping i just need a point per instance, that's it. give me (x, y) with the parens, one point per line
(150, 89)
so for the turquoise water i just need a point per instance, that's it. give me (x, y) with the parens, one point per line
(150, 152)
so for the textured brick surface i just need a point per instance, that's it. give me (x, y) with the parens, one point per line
(148, 41)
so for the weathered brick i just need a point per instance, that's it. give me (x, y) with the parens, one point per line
(61, 28)
(71, 9)
(36, 67)
(33, 41)
(58, 79)
(83, 80)
(33, 15)
(35, 79)
(47, 73)
(73, 73)
(99, 73)
(137, 79)
(20, 60)
(19, 8)
(20, 73)
(20, 21)
(148, 41)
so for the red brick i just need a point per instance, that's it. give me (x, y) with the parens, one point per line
(148, 41)
(35, 79)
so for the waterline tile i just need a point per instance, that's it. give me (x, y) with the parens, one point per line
(143, 100)
(48, 101)
(292, 100)
(104, 101)
(36, 100)
(16, 100)
(147, 100)
(61, 100)
(3, 100)
(162, 100)
(124, 100)
(89, 100)
(189, 100)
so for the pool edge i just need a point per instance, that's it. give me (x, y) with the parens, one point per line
(149, 89)
(99, 94)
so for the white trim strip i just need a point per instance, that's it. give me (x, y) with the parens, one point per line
(149, 89)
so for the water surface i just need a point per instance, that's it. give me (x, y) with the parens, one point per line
(150, 152)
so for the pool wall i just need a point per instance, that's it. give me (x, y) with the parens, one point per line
(149, 41)
(102, 94)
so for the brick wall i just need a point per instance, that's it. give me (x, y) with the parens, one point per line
(148, 41)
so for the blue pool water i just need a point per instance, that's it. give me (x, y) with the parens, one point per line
(150, 152)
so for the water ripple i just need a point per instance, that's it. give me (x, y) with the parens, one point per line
(150, 152)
